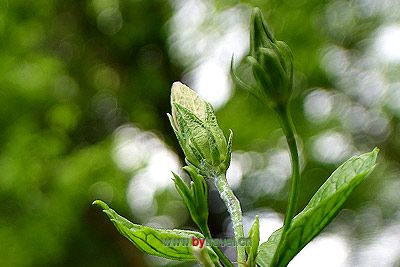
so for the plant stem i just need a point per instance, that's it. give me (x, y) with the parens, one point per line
(203, 257)
(233, 206)
(222, 257)
(288, 130)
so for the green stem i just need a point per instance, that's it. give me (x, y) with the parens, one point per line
(233, 206)
(203, 257)
(221, 256)
(288, 130)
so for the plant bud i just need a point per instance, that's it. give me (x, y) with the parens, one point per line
(197, 130)
(271, 62)
(271, 65)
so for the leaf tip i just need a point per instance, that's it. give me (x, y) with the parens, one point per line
(101, 204)
(374, 153)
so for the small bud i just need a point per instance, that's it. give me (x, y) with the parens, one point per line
(197, 130)
(271, 64)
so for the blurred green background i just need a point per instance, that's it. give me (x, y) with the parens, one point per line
(84, 92)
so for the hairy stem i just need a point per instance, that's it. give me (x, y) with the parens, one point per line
(233, 206)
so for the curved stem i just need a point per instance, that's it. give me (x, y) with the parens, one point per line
(288, 129)
(233, 206)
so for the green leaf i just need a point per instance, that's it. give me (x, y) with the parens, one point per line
(195, 197)
(154, 241)
(321, 210)
(267, 249)
(183, 191)
(254, 236)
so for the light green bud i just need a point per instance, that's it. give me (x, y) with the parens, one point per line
(198, 133)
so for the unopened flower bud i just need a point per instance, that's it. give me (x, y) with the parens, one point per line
(197, 130)
(271, 64)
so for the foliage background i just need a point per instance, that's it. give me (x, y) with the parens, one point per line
(84, 89)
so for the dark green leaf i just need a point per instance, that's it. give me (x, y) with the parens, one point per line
(321, 209)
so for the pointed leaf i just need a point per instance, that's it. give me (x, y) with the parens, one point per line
(254, 236)
(199, 188)
(183, 190)
(154, 241)
(321, 209)
(195, 197)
